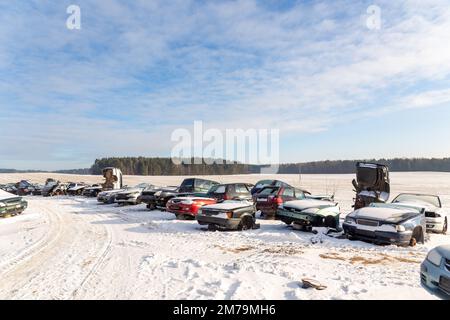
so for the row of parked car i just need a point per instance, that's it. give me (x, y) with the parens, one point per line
(406, 220)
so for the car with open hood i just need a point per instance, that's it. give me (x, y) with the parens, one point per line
(11, 204)
(387, 223)
(307, 213)
(435, 216)
(435, 269)
(53, 188)
(371, 185)
(228, 215)
(187, 206)
(131, 195)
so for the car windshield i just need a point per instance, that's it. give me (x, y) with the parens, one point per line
(262, 183)
(268, 191)
(405, 197)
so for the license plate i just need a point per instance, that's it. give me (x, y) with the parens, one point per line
(261, 199)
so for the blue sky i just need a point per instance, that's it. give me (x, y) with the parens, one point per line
(138, 70)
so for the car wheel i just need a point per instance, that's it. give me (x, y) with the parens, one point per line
(444, 229)
(246, 223)
(212, 227)
(412, 242)
(330, 222)
(110, 200)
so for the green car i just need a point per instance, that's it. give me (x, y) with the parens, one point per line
(308, 213)
(11, 204)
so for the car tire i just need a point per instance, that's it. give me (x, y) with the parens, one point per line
(330, 222)
(246, 223)
(444, 229)
(212, 227)
(110, 200)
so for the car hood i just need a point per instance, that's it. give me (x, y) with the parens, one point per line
(229, 205)
(111, 192)
(390, 215)
(308, 203)
(6, 195)
(444, 251)
(193, 198)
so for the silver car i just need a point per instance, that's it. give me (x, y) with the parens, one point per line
(435, 270)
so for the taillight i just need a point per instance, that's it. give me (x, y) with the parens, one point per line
(225, 197)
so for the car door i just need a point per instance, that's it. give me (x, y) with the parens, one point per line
(288, 194)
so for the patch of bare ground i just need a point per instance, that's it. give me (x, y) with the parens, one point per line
(275, 249)
(380, 258)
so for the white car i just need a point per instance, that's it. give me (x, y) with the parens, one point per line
(436, 219)
(131, 195)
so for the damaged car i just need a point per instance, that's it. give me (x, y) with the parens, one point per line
(187, 207)
(11, 204)
(53, 188)
(92, 191)
(75, 189)
(269, 198)
(371, 185)
(230, 191)
(387, 223)
(228, 215)
(436, 218)
(307, 213)
(131, 195)
(435, 269)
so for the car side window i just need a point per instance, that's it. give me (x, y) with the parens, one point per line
(288, 192)
(299, 194)
(240, 188)
(220, 189)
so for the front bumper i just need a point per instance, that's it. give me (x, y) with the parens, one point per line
(127, 200)
(304, 219)
(230, 224)
(434, 277)
(381, 237)
(13, 209)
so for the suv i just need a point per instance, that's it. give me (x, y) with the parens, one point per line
(230, 191)
(196, 185)
(269, 198)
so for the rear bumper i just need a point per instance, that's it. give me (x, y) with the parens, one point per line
(434, 225)
(382, 237)
(181, 209)
(434, 277)
(231, 224)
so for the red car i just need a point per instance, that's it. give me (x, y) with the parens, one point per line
(269, 198)
(187, 207)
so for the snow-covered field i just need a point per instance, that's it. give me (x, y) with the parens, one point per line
(74, 248)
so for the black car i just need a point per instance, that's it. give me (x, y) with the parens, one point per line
(158, 198)
(230, 191)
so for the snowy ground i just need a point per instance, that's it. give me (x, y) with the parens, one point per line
(74, 248)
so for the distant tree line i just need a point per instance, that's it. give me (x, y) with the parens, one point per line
(165, 166)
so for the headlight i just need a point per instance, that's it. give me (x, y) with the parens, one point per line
(199, 211)
(349, 219)
(434, 257)
(2, 205)
(400, 228)
(158, 193)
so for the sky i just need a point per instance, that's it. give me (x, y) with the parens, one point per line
(138, 70)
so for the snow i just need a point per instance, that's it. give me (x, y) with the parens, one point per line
(74, 248)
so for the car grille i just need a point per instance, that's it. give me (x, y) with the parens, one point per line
(423, 277)
(210, 212)
(176, 200)
(444, 284)
(365, 222)
(447, 264)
